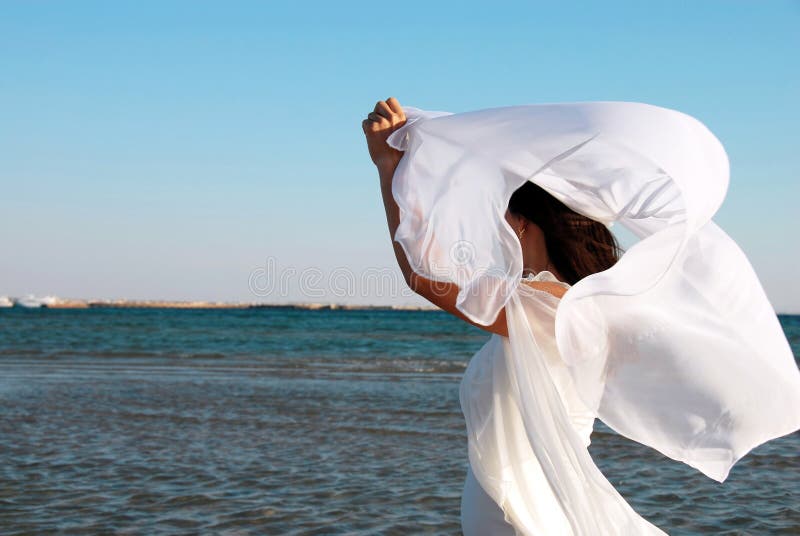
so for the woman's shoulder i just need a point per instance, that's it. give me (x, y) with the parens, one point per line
(545, 281)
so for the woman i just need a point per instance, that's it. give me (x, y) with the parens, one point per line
(474, 235)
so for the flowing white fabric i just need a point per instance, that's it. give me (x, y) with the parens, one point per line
(529, 431)
(676, 346)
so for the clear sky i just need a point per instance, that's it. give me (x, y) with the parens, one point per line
(175, 149)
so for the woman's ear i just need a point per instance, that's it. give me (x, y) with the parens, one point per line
(518, 223)
(513, 220)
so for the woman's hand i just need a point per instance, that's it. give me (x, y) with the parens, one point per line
(387, 117)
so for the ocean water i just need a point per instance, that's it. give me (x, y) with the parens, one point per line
(280, 421)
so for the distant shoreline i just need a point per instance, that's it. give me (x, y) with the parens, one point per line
(65, 303)
(174, 304)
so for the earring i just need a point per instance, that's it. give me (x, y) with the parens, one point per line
(521, 232)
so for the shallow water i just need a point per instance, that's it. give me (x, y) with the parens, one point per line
(291, 422)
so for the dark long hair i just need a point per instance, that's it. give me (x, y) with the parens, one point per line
(577, 246)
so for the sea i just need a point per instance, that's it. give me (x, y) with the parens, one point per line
(292, 422)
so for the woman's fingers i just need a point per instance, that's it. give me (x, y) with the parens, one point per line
(386, 115)
(381, 108)
(391, 110)
(379, 119)
(395, 106)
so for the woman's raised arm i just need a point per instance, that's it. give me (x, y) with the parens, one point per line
(387, 117)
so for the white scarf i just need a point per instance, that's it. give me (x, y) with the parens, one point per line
(676, 346)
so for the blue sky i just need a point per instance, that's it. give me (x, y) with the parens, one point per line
(171, 149)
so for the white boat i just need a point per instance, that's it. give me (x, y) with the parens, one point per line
(5, 301)
(31, 302)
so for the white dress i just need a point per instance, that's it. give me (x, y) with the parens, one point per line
(480, 514)
(493, 415)
(676, 346)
